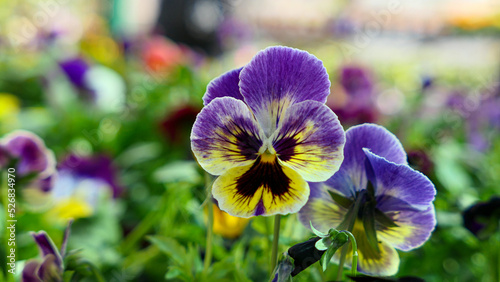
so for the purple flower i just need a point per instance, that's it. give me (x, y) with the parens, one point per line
(98, 167)
(266, 131)
(75, 69)
(359, 106)
(52, 266)
(482, 219)
(28, 152)
(386, 204)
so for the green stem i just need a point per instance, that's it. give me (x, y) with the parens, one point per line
(354, 264)
(350, 220)
(210, 235)
(276, 238)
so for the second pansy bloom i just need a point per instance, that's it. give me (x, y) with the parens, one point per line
(266, 131)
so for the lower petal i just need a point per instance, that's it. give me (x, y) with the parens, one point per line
(414, 227)
(384, 262)
(321, 211)
(262, 188)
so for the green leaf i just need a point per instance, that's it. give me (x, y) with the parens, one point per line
(173, 272)
(341, 200)
(170, 247)
(337, 242)
(317, 232)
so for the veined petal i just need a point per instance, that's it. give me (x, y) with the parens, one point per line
(391, 180)
(278, 77)
(351, 176)
(225, 85)
(262, 188)
(225, 135)
(384, 262)
(414, 227)
(47, 246)
(321, 210)
(310, 140)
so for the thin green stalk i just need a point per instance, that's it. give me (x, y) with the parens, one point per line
(276, 238)
(354, 264)
(210, 235)
(144, 226)
(350, 225)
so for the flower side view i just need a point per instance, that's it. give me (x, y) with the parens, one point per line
(386, 204)
(265, 131)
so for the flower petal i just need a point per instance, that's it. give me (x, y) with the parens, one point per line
(225, 135)
(351, 176)
(310, 140)
(414, 226)
(278, 77)
(399, 181)
(47, 246)
(30, 149)
(405, 196)
(225, 85)
(382, 263)
(321, 210)
(262, 188)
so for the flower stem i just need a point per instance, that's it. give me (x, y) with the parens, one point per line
(348, 224)
(210, 235)
(354, 264)
(210, 223)
(276, 238)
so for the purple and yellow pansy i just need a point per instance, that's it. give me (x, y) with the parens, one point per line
(266, 132)
(375, 194)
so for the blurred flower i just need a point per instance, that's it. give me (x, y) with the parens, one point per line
(483, 122)
(283, 269)
(96, 84)
(359, 105)
(378, 197)
(177, 125)
(266, 131)
(482, 219)
(226, 225)
(75, 69)
(161, 55)
(81, 182)
(52, 266)
(27, 152)
(420, 160)
(9, 106)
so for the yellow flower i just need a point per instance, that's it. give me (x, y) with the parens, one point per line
(226, 225)
(9, 105)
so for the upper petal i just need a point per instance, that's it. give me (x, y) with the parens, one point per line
(310, 140)
(399, 181)
(47, 246)
(351, 176)
(278, 77)
(225, 85)
(225, 135)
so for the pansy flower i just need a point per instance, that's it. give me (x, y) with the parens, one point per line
(51, 267)
(81, 181)
(266, 132)
(386, 204)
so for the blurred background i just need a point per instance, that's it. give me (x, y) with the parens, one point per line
(113, 88)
